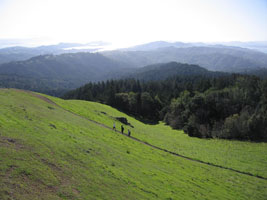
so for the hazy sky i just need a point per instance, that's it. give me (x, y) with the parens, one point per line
(127, 22)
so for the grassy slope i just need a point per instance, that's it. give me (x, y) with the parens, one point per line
(49, 153)
(243, 156)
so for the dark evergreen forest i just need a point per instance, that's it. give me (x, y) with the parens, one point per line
(225, 106)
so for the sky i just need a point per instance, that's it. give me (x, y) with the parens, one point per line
(129, 22)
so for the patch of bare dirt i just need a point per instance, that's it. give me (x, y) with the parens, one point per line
(11, 142)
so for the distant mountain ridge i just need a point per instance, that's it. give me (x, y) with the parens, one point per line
(66, 71)
(159, 44)
(257, 45)
(226, 59)
(52, 72)
(19, 53)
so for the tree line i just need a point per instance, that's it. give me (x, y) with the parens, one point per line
(228, 106)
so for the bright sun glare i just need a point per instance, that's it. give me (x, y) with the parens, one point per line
(125, 22)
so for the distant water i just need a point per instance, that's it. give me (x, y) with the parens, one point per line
(95, 48)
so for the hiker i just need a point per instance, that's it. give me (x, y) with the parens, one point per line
(122, 128)
(129, 133)
(114, 126)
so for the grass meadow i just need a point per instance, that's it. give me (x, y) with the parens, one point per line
(47, 152)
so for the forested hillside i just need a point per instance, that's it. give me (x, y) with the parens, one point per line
(163, 71)
(229, 106)
(55, 73)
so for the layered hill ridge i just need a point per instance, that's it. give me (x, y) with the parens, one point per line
(163, 71)
(78, 67)
(55, 74)
(51, 72)
(19, 53)
(218, 58)
(50, 150)
(259, 45)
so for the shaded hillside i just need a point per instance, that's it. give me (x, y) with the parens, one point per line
(52, 72)
(261, 72)
(163, 71)
(220, 58)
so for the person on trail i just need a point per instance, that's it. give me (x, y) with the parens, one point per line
(122, 128)
(129, 133)
(114, 126)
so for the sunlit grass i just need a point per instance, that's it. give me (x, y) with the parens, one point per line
(49, 153)
(244, 156)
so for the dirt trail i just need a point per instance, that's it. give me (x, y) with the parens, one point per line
(38, 96)
(145, 143)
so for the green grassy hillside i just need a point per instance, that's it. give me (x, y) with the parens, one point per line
(250, 157)
(52, 151)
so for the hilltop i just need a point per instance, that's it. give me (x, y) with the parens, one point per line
(64, 149)
(162, 71)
